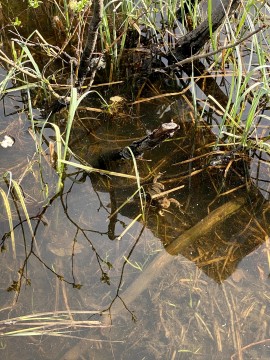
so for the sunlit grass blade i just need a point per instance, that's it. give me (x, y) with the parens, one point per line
(129, 226)
(92, 169)
(9, 215)
(20, 196)
(140, 189)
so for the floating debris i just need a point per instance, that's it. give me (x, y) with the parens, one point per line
(7, 142)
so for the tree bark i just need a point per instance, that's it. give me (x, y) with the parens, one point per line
(194, 40)
(85, 63)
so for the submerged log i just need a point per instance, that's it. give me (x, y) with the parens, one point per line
(186, 239)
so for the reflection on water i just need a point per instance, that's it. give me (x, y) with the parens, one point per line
(193, 280)
(90, 279)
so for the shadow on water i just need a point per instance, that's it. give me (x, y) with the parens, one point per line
(93, 280)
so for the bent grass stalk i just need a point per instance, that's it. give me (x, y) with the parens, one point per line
(10, 221)
(100, 171)
(140, 188)
(123, 204)
(74, 103)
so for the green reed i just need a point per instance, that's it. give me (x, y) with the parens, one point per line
(7, 207)
(249, 82)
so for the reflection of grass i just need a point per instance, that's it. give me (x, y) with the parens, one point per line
(17, 198)
(19, 195)
(134, 264)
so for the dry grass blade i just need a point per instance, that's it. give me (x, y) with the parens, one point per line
(49, 323)
(165, 193)
(92, 169)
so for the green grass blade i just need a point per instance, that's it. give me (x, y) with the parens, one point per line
(138, 183)
(101, 171)
(22, 202)
(9, 214)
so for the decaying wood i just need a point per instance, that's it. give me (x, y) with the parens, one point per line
(184, 240)
(194, 40)
(85, 63)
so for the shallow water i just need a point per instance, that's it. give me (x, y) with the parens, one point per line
(212, 298)
(97, 283)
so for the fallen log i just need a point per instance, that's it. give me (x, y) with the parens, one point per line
(194, 40)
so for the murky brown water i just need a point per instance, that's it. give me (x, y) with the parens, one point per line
(206, 298)
(211, 298)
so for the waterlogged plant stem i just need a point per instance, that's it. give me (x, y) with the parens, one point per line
(181, 242)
